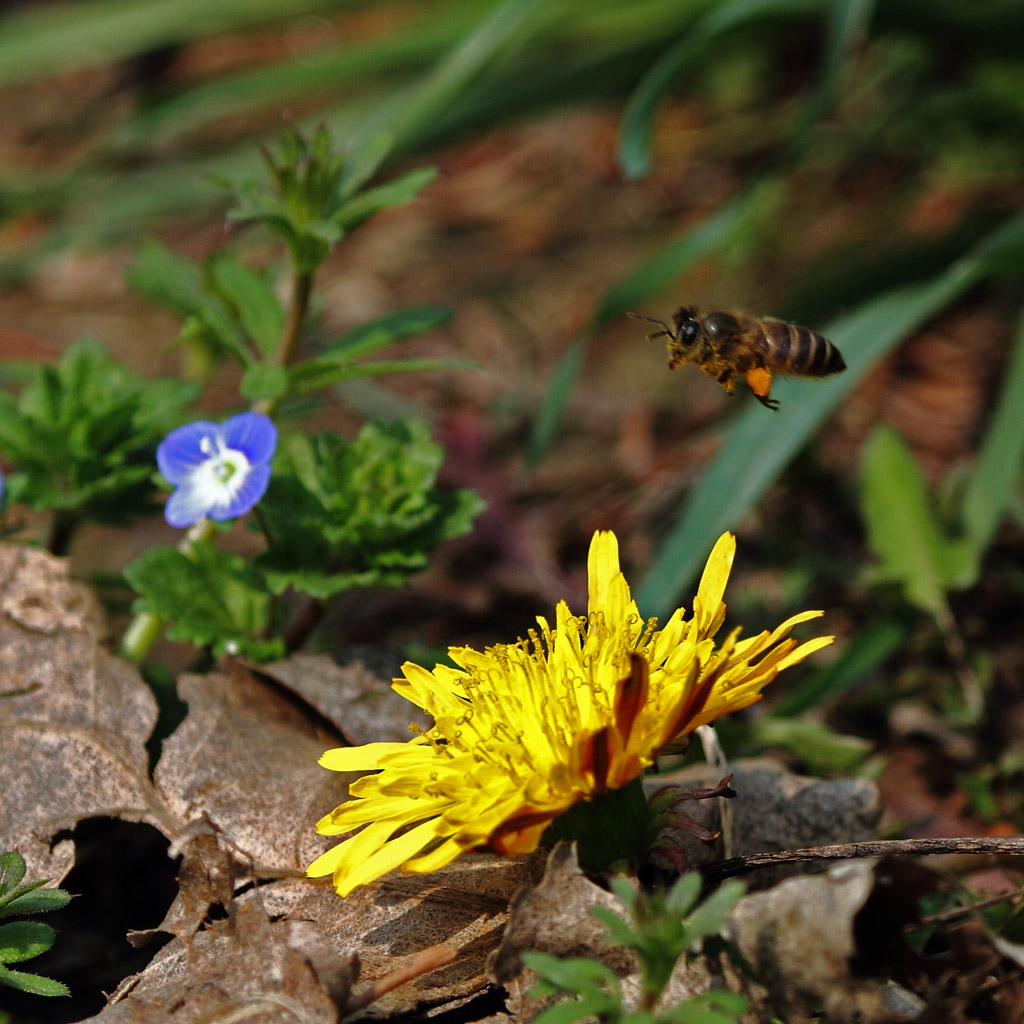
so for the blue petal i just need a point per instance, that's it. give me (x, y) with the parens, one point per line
(249, 492)
(253, 434)
(180, 451)
(185, 507)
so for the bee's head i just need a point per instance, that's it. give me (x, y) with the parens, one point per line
(687, 326)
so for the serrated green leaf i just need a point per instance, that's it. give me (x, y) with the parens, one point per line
(33, 899)
(83, 434)
(902, 528)
(22, 940)
(252, 299)
(264, 381)
(342, 514)
(209, 598)
(12, 871)
(33, 984)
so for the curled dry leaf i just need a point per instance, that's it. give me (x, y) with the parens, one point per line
(246, 755)
(73, 719)
(774, 809)
(799, 938)
(244, 968)
(361, 704)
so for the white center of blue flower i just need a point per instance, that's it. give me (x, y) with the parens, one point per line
(219, 477)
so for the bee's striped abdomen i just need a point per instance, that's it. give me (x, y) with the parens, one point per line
(799, 351)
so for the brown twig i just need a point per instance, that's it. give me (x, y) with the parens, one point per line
(423, 962)
(876, 848)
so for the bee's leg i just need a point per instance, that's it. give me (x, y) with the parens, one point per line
(760, 380)
(726, 380)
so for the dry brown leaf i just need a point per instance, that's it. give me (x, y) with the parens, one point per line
(206, 879)
(799, 939)
(246, 755)
(244, 968)
(73, 720)
(361, 704)
(464, 905)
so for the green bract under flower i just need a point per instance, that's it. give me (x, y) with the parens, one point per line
(523, 731)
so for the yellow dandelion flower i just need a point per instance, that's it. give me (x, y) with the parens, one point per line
(524, 731)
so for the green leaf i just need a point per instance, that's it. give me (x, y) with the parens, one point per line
(869, 646)
(252, 300)
(692, 50)
(316, 374)
(821, 748)
(709, 1008)
(12, 871)
(901, 526)
(405, 116)
(33, 984)
(386, 330)
(22, 940)
(760, 443)
(212, 598)
(166, 278)
(264, 381)
(551, 411)
(396, 192)
(998, 468)
(41, 41)
(32, 899)
(83, 434)
(364, 513)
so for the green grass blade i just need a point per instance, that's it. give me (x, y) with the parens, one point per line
(1000, 460)
(44, 40)
(693, 48)
(871, 645)
(552, 407)
(410, 113)
(760, 444)
(675, 257)
(847, 25)
(901, 525)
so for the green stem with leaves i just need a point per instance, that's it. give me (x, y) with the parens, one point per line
(146, 628)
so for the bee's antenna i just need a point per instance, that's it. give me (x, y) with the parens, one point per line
(650, 319)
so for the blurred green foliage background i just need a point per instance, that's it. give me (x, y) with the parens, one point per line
(849, 165)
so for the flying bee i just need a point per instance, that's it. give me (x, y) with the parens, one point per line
(728, 345)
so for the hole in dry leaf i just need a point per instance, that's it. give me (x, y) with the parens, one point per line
(122, 880)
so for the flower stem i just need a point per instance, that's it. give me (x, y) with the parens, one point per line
(298, 306)
(144, 630)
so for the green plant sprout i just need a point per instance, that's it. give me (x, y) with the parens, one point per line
(23, 940)
(658, 928)
(338, 514)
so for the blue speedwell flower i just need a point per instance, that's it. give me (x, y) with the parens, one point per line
(218, 470)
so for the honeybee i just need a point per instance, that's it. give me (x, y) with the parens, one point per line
(727, 344)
